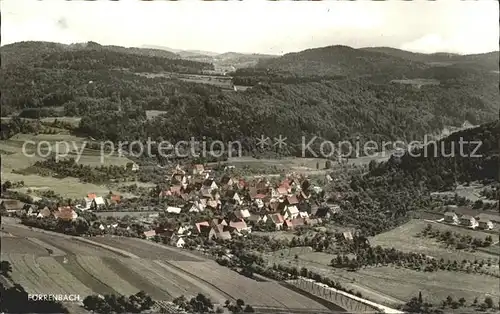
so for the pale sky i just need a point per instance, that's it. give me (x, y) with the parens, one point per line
(258, 25)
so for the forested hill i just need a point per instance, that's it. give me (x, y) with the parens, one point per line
(450, 164)
(43, 74)
(98, 84)
(342, 60)
(31, 52)
(488, 60)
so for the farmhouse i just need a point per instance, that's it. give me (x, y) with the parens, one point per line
(294, 223)
(468, 221)
(291, 212)
(255, 219)
(65, 213)
(173, 210)
(451, 217)
(196, 207)
(12, 206)
(149, 234)
(44, 213)
(485, 224)
(277, 220)
(241, 214)
(239, 226)
(199, 225)
(132, 166)
(98, 203)
(177, 241)
(292, 200)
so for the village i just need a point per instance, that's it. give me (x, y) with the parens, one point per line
(198, 205)
(234, 207)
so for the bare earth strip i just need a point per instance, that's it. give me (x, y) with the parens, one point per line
(137, 278)
(86, 278)
(144, 249)
(26, 273)
(55, 251)
(172, 282)
(95, 266)
(21, 246)
(65, 279)
(216, 294)
(255, 293)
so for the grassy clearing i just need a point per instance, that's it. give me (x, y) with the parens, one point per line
(67, 187)
(405, 284)
(151, 114)
(418, 81)
(403, 238)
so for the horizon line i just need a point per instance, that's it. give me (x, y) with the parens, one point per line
(169, 49)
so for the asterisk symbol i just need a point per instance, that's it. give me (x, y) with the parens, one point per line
(280, 141)
(262, 141)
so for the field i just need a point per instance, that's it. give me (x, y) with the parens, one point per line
(162, 272)
(74, 121)
(391, 285)
(151, 114)
(122, 214)
(266, 294)
(303, 165)
(403, 238)
(14, 159)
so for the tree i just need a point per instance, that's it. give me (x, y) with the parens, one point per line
(5, 268)
(462, 301)
(240, 303)
(489, 302)
(248, 309)
(420, 297)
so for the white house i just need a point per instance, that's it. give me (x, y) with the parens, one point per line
(173, 210)
(303, 215)
(291, 212)
(184, 230)
(177, 241)
(237, 199)
(98, 203)
(259, 203)
(197, 207)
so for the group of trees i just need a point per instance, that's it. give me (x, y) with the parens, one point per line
(111, 303)
(455, 239)
(62, 168)
(198, 304)
(417, 305)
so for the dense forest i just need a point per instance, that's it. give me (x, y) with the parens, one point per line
(99, 84)
(446, 163)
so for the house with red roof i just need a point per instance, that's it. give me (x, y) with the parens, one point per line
(277, 220)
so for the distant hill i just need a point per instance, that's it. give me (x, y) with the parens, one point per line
(341, 60)
(226, 59)
(28, 52)
(484, 60)
(183, 53)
